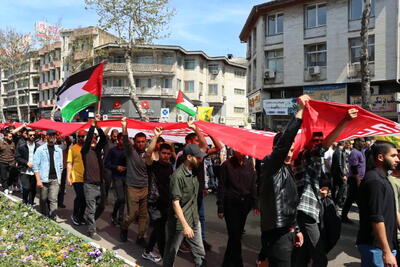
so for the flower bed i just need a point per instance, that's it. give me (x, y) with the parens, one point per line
(29, 239)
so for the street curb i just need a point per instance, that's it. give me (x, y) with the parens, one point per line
(74, 232)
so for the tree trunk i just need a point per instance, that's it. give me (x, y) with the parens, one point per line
(132, 86)
(53, 111)
(364, 58)
(28, 107)
(17, 98)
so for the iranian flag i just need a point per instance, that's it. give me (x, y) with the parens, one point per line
(79, 91)
(183, 103)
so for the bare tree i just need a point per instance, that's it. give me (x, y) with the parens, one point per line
(364, 57)
(136, 22)
(15, 48)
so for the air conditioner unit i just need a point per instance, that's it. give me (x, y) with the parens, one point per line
(269, 74)
(214, 72)
(179, 118)
(314, 70)
(222, 120)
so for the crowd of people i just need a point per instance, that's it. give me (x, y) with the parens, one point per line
(298, 197)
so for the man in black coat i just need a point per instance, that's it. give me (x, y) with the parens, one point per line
(278, 197)
(338, 174)
(24, 157)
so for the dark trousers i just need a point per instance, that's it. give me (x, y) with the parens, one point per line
(79, 202)
(107, 181)
(158, 234)
(5, 175)
(61, 192)
(28, 188)
(119, 205)
(352, 192)
(339, 191)
(277, 247)
(94, 205)
(235, 213)
(313, 247)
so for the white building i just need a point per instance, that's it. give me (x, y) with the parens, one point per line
(313, 47)
(160, 71)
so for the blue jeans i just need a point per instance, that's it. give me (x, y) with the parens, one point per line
(202, 218)
(371, 256)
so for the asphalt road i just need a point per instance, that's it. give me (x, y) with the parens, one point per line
(344, 254)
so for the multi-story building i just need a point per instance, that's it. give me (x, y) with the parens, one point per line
(160, 71)
(25, 81)
(3, 83)
(61, 59)
(313, 47)
(50, 77)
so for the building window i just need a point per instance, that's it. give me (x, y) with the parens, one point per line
(274, 24)
(213, 68)
(239, 91)
(238, 110)
(240, 73)
(189, 86)
(356, 8)
(117, 59)
(144, 59)
(315, 15)
(179, 84)
(201, 66)
(254, 40)
(168, 60)
(274, 60)
(213, 89)
(254, 73)
(355, 49)
(189, 64)
(200, 87)
(167, 83)
(143, 83)
(315, 55)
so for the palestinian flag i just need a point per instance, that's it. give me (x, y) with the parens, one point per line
(183, 103)
(80, 90)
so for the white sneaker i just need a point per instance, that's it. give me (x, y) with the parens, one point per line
(6, 192)
(151, 256)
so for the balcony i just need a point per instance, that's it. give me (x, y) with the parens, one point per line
(50, 85)
(82, 54)
(145, 91)
(217, 99)
(46, 103)
(141, 68)
(50, 65)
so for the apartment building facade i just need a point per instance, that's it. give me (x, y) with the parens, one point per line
(313, 47)
(25, 81)
(161, 71)
(59, 60)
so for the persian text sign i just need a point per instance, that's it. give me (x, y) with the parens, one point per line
(47, 31)
(255, 103)
(332, 93)
(286, 106)
(379, 103)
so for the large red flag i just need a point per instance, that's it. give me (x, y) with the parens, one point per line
(321, 116)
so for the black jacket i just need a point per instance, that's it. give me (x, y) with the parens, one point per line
(99, 147)
(278, 191)
(22, 156)
(338, 164)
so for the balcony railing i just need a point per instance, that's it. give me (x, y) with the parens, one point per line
(144, 91)
(140, 68)
(49, 85)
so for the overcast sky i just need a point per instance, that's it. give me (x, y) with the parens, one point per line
(209, 25)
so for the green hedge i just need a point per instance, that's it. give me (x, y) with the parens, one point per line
(29, 239)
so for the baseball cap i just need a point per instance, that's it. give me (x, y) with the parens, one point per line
(51, 132)
(193, 150)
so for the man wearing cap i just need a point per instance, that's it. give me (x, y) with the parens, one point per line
(75, 172)
(24, 157)
(183, 217)
(48, 166)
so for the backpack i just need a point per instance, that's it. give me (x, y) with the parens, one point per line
(331, 223)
